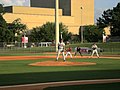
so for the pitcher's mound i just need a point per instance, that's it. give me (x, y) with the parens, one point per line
(61, 63)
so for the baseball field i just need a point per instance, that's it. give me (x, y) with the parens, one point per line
(41, 71)
(16, 70)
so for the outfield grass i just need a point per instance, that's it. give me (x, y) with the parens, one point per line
(19, 72)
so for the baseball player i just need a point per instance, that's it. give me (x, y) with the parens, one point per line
(61, 49)
(94, 50)
(77, 50)
(68, 52)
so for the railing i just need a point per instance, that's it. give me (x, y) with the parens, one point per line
(31, 47)
(21, 45)
(46, 44)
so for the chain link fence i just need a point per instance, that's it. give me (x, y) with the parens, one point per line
(40, 47)
(31, 47)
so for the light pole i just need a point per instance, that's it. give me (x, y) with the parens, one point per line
(81, 26)
(57, 22)
(61, 35)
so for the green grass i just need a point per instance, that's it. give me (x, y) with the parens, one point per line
(108, 86)
(19, 72)
(21, 66)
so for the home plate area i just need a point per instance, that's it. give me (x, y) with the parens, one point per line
(61, 63)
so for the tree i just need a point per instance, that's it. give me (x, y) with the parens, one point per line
(5, 34)
(1, 9)
(46, 32)
(7, 31)
(115, 30)
(65, 34)
(17, 28)
(92, 33)
(3, 24)
(111, 17)
(105, 20)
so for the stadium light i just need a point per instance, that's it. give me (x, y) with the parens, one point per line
(61, 35)
(57, 22)
(81, 26)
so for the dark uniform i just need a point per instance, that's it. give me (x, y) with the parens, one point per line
(78, 51)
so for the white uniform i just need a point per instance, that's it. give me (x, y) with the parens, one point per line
(94, 47)
(61, 47)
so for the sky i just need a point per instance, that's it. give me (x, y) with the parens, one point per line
(100, 5)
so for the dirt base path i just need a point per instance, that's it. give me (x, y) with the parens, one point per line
(40, 57)
(48, 63)
(52, 63)
(41, 86)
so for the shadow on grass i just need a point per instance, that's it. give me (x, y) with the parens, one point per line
(29, 78)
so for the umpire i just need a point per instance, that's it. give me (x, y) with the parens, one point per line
(78, 50)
